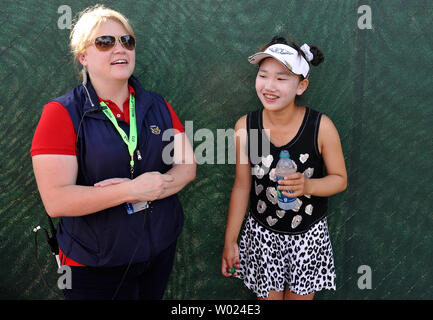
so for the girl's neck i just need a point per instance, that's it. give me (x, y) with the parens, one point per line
(283, 117)
(116, 91)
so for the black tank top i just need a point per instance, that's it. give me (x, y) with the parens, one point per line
(263, 156)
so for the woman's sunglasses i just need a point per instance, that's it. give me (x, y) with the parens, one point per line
(105, 43)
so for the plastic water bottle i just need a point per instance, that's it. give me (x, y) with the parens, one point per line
(284, 167)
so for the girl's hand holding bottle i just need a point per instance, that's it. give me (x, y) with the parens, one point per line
(296, 183)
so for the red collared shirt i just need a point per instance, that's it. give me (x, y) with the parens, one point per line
(55, 133)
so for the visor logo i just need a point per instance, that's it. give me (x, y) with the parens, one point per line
(280, 51)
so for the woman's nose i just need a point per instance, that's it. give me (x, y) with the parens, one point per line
(118, 46)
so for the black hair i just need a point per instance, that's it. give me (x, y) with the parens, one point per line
(318, 56)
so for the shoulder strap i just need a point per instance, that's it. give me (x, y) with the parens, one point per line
(254, 136)
(253, 119)
(316, 116)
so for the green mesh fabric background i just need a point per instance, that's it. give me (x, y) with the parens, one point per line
(376, 85)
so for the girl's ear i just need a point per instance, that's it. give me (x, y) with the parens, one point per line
(302, 86)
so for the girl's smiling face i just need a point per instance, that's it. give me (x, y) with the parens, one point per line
(276, 86)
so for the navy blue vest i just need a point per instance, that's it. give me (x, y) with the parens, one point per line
(112, 237)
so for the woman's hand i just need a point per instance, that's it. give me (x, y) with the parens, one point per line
(230, 259)
(109, 182)
(295, 182)
(148, 186)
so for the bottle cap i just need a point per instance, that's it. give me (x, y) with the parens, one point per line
(284, 154)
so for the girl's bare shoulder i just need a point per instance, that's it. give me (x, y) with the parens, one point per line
(241, 123)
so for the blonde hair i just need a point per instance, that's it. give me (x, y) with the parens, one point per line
(88, 22)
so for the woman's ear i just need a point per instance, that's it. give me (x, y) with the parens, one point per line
(82, 59)
(302, 86)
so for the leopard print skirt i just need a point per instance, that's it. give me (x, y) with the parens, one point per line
(270, 261)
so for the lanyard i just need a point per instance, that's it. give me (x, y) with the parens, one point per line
(131, 142)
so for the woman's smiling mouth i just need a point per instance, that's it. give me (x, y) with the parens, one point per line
(119, 61)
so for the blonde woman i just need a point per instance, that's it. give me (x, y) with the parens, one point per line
(99, 164)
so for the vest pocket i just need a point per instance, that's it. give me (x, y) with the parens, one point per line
(83, 234)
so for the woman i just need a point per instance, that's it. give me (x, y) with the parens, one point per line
(98, 160)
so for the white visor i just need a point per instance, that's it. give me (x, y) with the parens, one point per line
(286, 55)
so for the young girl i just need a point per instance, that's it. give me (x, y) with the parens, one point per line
(283, 254)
